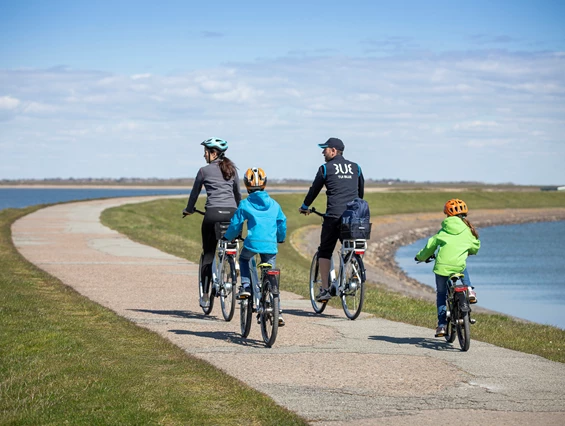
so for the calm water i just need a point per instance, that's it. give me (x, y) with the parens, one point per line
(520, 270)
(24, 197)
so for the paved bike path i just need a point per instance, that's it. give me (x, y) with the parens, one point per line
(328, 369)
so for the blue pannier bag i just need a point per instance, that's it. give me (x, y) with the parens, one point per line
(356, 220)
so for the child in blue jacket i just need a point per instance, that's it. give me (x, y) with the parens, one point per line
(266, 226)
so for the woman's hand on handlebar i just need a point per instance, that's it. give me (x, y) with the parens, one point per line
(305, 212)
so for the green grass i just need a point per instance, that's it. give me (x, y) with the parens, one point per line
(67, 360)
(158, 224)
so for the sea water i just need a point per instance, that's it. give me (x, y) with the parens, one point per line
(519, 270)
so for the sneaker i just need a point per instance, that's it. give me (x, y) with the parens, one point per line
(244, 292)
(324, 295)
(205, 301)
(440, 331)
(472, 296)
(281, 320)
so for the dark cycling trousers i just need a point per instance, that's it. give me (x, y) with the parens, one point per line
(209, 240)
(329, 237)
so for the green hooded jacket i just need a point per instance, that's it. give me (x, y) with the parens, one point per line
(455, 242)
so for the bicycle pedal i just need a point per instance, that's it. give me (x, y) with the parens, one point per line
(472, 320)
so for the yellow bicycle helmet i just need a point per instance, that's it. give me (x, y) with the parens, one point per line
(255, 179)
(455, 206)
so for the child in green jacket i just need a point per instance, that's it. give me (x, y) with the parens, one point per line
(456, 240)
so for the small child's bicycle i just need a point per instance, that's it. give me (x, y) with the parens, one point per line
(349, 283)
(224, 275)
(264, 300)
(458, 310)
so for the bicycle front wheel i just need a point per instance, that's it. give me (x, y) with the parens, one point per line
(205, 291)
(464, 331)
(269, 315)
(315, 285)
(227, 288)
(353, 287)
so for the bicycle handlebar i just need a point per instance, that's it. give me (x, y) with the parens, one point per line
(313, 210)
(195, 211)
(428, 260)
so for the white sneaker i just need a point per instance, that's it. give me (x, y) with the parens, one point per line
(244, 292)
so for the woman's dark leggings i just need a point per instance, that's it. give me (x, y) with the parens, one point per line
(209, 240)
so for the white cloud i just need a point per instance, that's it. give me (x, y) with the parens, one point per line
(395, 115)
(9, 103)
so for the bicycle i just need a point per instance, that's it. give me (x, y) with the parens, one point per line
(224, 274)
(349, 283)
(458, 310)
(264, 300)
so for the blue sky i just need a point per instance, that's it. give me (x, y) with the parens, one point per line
(417, 90)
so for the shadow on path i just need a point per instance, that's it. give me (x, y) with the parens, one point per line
(302, 313)
(419, 342)
(227, 336)
(179, 314)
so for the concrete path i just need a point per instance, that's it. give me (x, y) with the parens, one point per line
(328, 369)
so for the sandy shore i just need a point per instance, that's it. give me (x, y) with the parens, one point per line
(393, 231)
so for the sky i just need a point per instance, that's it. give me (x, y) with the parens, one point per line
(422, 91)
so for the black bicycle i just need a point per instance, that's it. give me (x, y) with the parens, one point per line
(224, 275)
(265, 300)
(458, 310)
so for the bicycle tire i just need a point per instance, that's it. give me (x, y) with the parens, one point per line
(464, 332)
(315, 284)
(269, 314)
(245, 316)
(353, 287)
(450, 330)
(228, 282)
(207, 310)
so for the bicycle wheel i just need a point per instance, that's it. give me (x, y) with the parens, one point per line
(315, 284)
(464, 331)
(269, 315)
(227, 288)
(245, 316)
(353, 287)
(453, 313)
(205, 289)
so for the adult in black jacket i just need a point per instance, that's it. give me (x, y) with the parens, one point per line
(344, 182)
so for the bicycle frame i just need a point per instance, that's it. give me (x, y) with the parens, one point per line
(223, 249)
(348, 247)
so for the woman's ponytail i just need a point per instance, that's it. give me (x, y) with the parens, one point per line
(227, 167)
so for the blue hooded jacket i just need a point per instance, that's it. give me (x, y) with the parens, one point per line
(266, 223)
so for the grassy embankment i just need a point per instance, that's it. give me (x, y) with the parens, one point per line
(67, 360)
(158, 224)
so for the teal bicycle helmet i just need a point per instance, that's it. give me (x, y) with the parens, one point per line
(219, 144)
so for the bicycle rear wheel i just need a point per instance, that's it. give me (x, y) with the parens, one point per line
(464, 331)
(205, 291)
(269, 315)
(450, 329)
(315, 284)
(353, 287)
(227, 288)
(245, 316)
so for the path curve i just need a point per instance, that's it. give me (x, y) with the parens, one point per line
(328, 369)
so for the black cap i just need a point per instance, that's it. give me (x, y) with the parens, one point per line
(333, 143)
